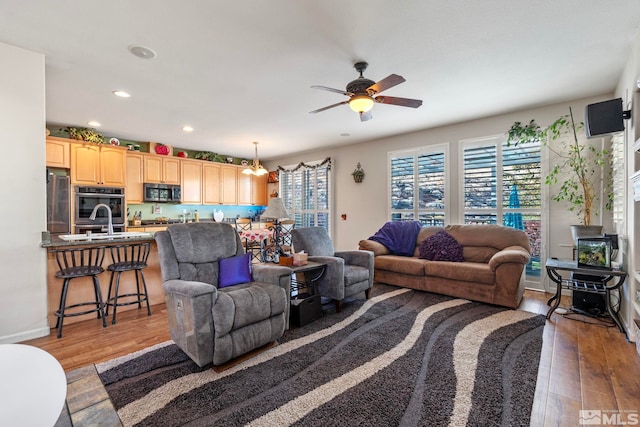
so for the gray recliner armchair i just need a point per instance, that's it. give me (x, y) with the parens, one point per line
(215, 324)
(347, 273)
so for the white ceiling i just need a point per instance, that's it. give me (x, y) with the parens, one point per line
(241, 71)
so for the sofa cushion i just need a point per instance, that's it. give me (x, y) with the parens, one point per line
(478, 253)
(441, 247)
(424, 233)
(355, 274)
(465, 271)
(245, 304)
(234, 270)
(400, 264)
(491, 235)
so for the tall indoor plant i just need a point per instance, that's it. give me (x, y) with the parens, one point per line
(582, 165)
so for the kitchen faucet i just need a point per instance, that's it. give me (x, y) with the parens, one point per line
(92, 217)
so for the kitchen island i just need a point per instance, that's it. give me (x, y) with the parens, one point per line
(81, 289)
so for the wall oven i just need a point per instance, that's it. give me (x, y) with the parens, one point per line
(87, 198)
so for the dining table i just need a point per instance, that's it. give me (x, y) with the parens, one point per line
(257, 238)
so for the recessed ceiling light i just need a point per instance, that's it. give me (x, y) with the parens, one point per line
(121, 94)
(94, 123)
(142, 52)
(187, 128)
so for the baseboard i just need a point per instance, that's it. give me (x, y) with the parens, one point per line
(24, 336)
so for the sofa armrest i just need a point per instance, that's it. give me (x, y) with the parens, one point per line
(510, 254)
(376, 247)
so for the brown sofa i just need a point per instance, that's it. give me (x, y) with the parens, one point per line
(494, 260)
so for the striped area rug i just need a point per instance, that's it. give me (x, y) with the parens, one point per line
(402, 358)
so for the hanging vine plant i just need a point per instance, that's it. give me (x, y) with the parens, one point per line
(85, 134)
(210, 156)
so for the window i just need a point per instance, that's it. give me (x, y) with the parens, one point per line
(418, 185)
(305, 192)
(502, 185)
(619, 182)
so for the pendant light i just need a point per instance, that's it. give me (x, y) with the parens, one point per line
(255, 168)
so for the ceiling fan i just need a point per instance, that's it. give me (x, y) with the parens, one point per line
(362, 91)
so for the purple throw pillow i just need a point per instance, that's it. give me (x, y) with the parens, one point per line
(234, 270)
(441, 247)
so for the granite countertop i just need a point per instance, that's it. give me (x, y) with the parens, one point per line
(57, 242)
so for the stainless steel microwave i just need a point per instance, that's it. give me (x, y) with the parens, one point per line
(162, 193)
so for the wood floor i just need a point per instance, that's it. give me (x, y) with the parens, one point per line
(583, 366)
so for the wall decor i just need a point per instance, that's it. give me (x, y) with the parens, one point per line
(358, 173)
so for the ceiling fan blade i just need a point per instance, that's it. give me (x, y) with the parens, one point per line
(384, 84)
(330, 89)
(330, 106)
(366, 116)
(403, 102)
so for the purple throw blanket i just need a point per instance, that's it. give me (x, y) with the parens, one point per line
(398, 236)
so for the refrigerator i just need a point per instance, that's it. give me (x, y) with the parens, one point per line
(58, 204)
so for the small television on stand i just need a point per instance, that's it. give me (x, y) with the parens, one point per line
(594, 252)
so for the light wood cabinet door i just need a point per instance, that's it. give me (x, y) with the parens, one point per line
(161, 170)
(113, 165)
(93, 164)
(135, 178)
(211, 183)
(191, 172)
(58, 154)
(153, 169)
(171, 170)
(85, 164)
(229, 185)
(244, 188)
(259, 190)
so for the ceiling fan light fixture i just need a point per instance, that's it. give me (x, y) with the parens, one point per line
(361, 103)
(255, 168)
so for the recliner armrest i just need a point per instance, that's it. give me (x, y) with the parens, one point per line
(270, 273)
(189, 288)
(360, 257)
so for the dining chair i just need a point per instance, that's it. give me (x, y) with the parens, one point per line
(252, 246)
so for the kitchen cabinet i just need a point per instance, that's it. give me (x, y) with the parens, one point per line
(96, 164)
(161, 169)
(259, 190)
(211, 193)
(135, 178)
(191, 183)
(244, 187)
(58, 153)
(229, 184)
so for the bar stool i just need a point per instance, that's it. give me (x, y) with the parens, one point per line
(79, 262)
(128, 257)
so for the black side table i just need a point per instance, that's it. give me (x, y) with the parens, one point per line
(306, 306)
(601, 287)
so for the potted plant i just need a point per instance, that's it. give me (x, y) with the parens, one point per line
(85, 134)
(358, 173)
(580, 164)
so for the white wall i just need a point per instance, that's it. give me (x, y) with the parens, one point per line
(23, 290)
(366, 204)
